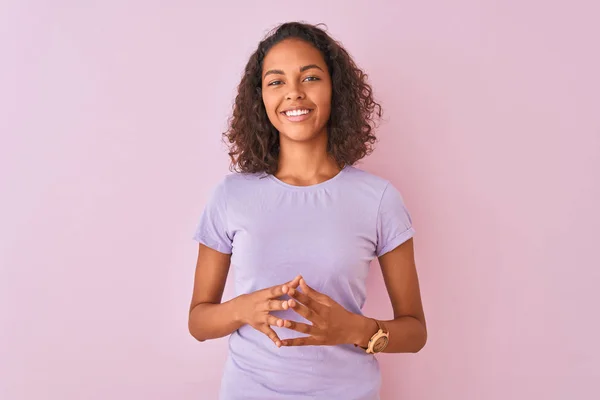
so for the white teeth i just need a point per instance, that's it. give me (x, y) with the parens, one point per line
(295, 113)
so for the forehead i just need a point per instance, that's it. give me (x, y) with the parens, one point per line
(292, 54)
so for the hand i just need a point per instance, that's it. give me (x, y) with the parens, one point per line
(332, 324)
(254, 308)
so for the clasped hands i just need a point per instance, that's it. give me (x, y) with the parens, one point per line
(332, 324)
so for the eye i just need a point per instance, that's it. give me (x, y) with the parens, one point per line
(273, 83)
(312, 78)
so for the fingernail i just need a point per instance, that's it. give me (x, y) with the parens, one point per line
(288, 324)
(284, 305)
(278, 344)
(284, 288)
(292, 303)
(279, 323)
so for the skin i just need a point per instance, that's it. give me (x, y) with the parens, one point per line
(295, 74)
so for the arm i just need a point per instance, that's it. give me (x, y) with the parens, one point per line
(332, 324)
(209, 318)
(408, 331)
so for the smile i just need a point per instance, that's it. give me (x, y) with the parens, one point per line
(297, 115)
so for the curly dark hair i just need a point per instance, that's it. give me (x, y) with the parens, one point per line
(254, 142)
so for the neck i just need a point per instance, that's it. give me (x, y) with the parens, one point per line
(306, 163)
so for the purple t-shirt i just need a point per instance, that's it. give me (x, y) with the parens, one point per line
(328, 233)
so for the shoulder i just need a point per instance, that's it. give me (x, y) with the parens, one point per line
(377, 189)
(235, 182)
(364, 179)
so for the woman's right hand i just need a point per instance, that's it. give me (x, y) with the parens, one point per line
(254, 308)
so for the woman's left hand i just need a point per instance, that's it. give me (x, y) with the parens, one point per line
(332, 324)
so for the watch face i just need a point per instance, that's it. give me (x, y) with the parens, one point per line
(380, 344)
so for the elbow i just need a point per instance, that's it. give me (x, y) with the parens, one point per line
(420, 346)
(194, 330)
(421, 342)
(195, 333)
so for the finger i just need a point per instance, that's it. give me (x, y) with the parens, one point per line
(303, 341)
(304, 311)
(277, 305)
(294, 283)
(310, 291)
(277, 291)
(267, 330)
(304, 299)
(302, 327)
(274, 321)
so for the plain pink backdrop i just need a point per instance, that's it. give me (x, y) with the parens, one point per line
(111, 114)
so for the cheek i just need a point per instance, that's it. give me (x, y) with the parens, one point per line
(325, 102)
(325, 108)
(269, 106)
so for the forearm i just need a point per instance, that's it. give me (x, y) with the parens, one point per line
(407, 334)
(211, 321)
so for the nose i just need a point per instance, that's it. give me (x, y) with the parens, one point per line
(295, 93)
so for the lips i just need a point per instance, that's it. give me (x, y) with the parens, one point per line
(296, 108)
(300, 116)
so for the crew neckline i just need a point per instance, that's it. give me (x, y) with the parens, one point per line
(310, 187)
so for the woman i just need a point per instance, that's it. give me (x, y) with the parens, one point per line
(299, 225)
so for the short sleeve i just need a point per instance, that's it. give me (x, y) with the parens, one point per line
(212, 230)
(394, 224)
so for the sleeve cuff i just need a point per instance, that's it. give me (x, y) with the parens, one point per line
(397, 241)
(221, 248)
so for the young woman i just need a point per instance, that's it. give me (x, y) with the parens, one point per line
(298, 225)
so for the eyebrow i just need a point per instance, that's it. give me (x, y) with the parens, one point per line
(302, 69)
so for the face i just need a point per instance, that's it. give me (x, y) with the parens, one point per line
(296, 90)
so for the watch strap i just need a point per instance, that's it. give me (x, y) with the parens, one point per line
(382, 329)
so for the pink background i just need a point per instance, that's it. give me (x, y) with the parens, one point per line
(111, 114)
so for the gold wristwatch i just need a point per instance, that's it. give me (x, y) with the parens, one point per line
(378, 341)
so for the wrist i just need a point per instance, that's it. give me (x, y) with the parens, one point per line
(363, 329)
(236, 305)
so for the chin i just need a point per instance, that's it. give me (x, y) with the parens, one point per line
(298, 135)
